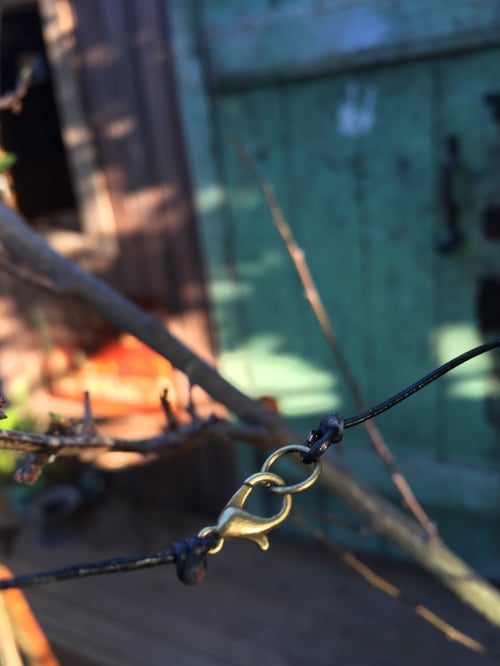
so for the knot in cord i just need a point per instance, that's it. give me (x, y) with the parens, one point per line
(329, 431)
(190, 556)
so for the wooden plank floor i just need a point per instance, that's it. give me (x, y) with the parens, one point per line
(293, 605)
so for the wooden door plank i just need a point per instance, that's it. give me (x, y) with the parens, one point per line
(447, 484)
(278, 348)
(298, 39)
(170, 238)
(396, 197)
(101, 90)
(471, 434)
(229, 10)
(207, 188)
(384, 166)
(141, 200)
(58, 22)
(324, 212)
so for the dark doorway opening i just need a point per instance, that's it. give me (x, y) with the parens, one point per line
(40, 177)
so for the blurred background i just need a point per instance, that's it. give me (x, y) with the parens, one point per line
(377, 125)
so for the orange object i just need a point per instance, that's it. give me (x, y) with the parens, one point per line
(270, 402)
(29, 636)
(122, 376)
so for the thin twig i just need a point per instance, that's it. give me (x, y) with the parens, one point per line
(312, 295)
(184, 437)
(32, 469)
(3, 401)
(13, 99)
(373, 578)
(191, 408)
(25, 276)
(88, 423)
(170, 417)
(69, 437)
(26, 245)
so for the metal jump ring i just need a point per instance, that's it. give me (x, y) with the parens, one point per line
(297, 487)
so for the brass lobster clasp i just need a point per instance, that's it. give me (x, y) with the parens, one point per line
(236, 523)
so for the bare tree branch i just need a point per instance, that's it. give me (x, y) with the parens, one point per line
(21, 274)
(298, 258)
(375, 579)
(70, 280)
(88, 423)
(182, 438)
(25, 244)
(32, 469)
(13, 99)
(331, 519)
(170, 416)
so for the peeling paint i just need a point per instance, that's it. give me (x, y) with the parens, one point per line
(357, 113)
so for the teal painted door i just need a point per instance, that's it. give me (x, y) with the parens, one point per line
(354, 146)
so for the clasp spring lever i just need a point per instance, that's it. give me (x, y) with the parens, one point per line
(236, 523)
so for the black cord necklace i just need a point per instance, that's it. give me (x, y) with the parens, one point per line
(332, 426)
(190, 555)
(428, 379)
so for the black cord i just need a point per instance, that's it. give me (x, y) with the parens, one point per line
(189, 556)
(431, 377)
(331, 427)
(91, 569)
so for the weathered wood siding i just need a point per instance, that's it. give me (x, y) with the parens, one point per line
(113, 80)
(352, 136)
(127, 79)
